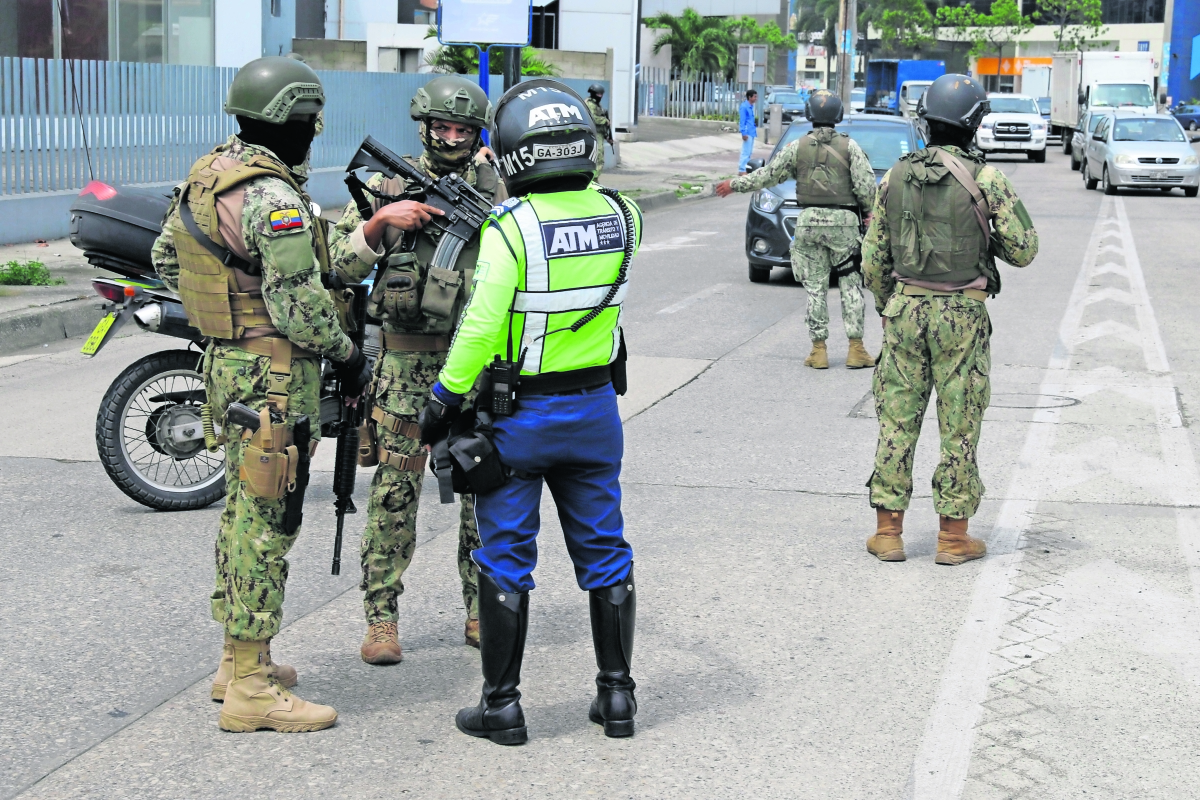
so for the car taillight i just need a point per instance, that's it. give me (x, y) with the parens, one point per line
(102, 191)
(113, 292)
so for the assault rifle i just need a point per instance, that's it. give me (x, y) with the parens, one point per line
(349, 420)
(465, 210)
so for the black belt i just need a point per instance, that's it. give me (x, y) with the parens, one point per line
(563, 382)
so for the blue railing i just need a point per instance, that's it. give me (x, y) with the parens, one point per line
(63, 123)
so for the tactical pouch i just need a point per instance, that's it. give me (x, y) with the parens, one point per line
(269, 460)
(368, 445)
(441, 293)
(475, 463)
(396, 295)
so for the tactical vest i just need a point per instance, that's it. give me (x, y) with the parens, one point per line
(823, 172)
(422, 300)
(569, 250)
(935, 232)
(209, 289)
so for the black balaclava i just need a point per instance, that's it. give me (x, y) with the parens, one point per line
(941, 135)
(290, 142)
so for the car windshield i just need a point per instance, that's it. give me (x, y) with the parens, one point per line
(1013, 105)
(1122, 94)
(883, 144)
(786, 99)
(1044, 104)
(915, 92)
(858, 95)
(1095, 120)
(1148, 130)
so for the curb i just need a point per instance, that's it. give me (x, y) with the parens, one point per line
(660, 200)
(45, 324)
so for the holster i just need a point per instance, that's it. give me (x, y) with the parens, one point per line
(620, 375)
(467, 461)
(269, 460)
(299, 459)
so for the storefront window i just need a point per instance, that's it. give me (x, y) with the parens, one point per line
(154, 31)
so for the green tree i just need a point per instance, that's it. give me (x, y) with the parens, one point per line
(1078, 22)
(901, 23)
(959, 21)
(464, 60)
(1003, 25)
(709, 44)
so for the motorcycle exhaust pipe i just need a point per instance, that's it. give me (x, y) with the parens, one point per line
(168, 319)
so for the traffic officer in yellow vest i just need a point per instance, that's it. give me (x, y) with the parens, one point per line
(552, 274)
(835, 187)
(941, 218)
(249, 260)
(418, 321)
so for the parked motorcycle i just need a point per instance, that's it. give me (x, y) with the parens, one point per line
(149, 431)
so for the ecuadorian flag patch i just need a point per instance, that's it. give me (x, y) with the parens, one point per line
(286, 219)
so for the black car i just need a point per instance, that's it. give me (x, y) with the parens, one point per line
(792, 102)
(771, 220)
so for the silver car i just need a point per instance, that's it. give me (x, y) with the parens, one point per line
(1145, 152)
(1075, 142)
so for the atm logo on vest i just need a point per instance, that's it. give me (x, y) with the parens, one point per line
(577, 237)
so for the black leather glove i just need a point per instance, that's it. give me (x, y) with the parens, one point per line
(435, 420)
(353, 375)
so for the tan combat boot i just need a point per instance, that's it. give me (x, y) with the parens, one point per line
(381, 645)
(471, 633)
(254, 700)
(858, 357)
(819, 357)
(283, 673)
(955, 546)
(887, 543)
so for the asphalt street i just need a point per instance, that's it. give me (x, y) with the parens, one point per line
(775, 658)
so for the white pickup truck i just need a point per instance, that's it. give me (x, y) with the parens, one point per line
(1082, 81)
(1013, 125)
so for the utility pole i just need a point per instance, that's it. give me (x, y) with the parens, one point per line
(847, 36)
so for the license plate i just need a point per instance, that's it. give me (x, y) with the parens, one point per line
(93, 342)
(1158, 176)
(551, 151)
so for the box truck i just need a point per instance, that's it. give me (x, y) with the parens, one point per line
(894, 86)
(1079, 81)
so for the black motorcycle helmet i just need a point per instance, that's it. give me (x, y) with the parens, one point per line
(596, 90)
(955, 100)
(823, 108)
(541, 130)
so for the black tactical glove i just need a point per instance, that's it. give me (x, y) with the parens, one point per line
(353, 375)
(435, 420)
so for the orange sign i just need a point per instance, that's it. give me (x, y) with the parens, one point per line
(1010, 66)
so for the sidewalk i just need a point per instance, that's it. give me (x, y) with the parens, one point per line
(36, 315)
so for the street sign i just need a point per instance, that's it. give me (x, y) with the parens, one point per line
(472, 22)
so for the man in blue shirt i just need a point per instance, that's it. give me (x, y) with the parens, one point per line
(748, 128)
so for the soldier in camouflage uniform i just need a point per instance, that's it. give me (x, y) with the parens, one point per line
(834, 186)
(603, 126)
(940, 218)
(249, 260)
(451, 111)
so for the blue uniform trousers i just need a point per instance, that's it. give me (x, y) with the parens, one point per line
(574, 442)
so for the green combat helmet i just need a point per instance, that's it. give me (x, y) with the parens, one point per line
(452, 98)
(274, 88)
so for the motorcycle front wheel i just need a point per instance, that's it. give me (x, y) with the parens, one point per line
(150, 437)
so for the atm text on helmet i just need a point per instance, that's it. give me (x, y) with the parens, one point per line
(554, 113)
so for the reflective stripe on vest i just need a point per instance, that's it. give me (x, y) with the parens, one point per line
(538, 302)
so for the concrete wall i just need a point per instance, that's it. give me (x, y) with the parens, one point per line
(574, 64)
(647, 57)
(596, 26)
(391, 34)
(358, 14)
(340, 54)
(238, 25)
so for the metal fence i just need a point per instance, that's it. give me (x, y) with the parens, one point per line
(63, 123)
(669, 93)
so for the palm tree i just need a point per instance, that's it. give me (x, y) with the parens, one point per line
(698, 44)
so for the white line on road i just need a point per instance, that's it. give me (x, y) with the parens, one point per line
(692, 299)
(944, 756)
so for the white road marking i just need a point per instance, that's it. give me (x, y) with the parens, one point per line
(692, 299)
(944, 756)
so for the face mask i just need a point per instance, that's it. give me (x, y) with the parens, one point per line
(448, 151)
(290, 142)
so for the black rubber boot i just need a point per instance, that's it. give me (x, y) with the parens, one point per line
(503, 622)
(614, 611)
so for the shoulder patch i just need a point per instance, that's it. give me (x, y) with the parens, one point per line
(1023, 215)
(286, 219)
(505, 207)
